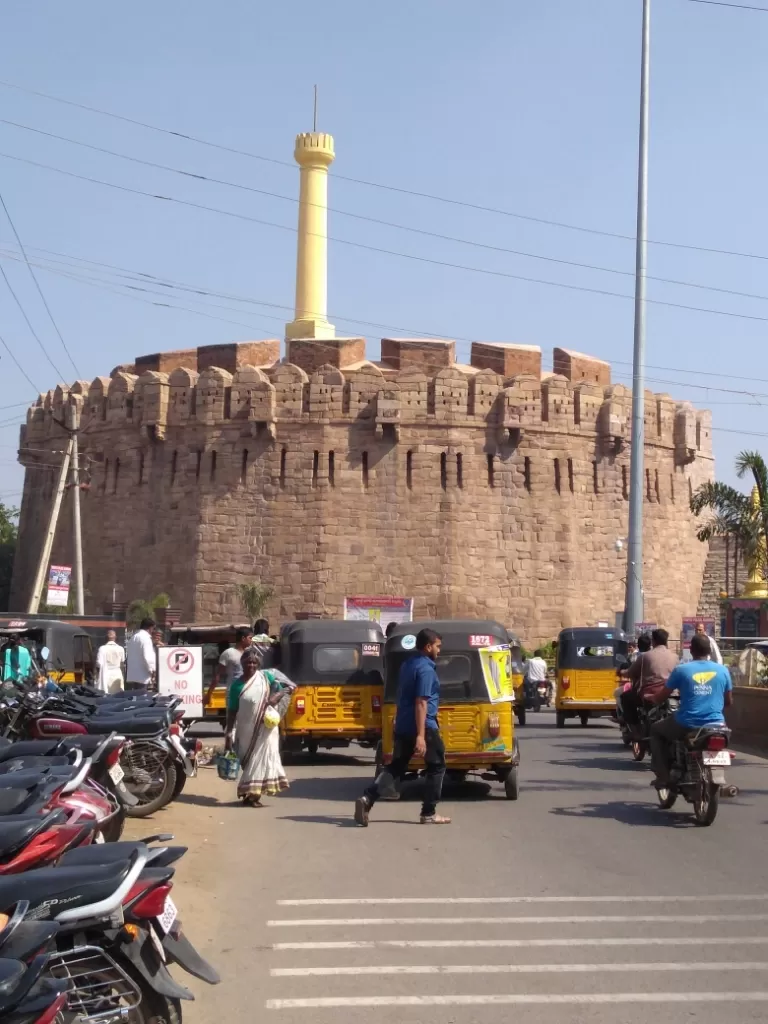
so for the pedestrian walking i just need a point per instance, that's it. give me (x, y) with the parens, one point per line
(141, 657)
(256, 702)
(416, 731)
(263, 644)
(110, 662)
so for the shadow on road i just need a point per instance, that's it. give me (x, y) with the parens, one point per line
(609, 764)
(199, 800)
(330, 760)
(628, 814)
(321, 819)
(348, 789)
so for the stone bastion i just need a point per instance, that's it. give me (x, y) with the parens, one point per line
(489, 489)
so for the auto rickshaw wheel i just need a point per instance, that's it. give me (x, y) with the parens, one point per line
(312, 748)
(584, 718)
(560, 719)
(512, 785)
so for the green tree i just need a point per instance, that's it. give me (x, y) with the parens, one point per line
(735, 514)
(141, 608)
(254, 598)
(9, 532)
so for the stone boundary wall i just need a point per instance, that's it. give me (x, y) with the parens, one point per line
(488, 489)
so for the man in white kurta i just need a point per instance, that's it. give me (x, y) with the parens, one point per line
(110, 660)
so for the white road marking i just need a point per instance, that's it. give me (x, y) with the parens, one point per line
(680, 940)
(372, 922)
(634, 967)
(425, 900)
(575, 999)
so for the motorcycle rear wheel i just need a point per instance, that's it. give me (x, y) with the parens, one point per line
(638, 750)
(163, 797)
(706, 802)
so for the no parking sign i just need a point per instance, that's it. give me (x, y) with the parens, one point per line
(180, 674)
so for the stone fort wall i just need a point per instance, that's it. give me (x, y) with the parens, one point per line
(488, 489)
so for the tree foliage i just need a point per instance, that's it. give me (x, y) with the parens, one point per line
(254, 598)
(141, 608)
(9, 532)
(733, 514)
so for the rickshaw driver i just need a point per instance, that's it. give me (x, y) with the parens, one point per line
(416, 730)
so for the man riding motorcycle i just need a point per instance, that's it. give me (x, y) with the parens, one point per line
(705, 689)
(648, 675)
(536, 672)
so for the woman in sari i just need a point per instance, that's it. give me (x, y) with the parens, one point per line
(256, 743)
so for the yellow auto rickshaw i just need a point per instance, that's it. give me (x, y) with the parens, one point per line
(214, 640)
(588, 660)
(338, 668)
(476, 714)
(70, 657)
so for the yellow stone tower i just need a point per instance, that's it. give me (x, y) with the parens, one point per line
(314, 154)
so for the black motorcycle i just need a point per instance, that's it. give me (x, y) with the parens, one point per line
(697, 771)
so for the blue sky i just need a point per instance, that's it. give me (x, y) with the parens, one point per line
(526, 106)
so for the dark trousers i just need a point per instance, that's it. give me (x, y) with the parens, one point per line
(663, 733)
(630, 704)
(434, 760)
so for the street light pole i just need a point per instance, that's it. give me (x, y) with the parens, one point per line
(633, 604)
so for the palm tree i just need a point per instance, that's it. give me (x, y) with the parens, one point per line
(140, 608)
(254, 598)
(737, 515)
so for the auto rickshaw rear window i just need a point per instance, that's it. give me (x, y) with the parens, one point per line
(333, 660)
(455, 674)
(595, 652)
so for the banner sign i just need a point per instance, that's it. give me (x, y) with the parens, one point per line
(59, 578)
(689, 628)
(497, 673)
(379, 609)
(180, 674)
(645, 627)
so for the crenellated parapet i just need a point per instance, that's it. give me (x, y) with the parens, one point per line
(416, 383)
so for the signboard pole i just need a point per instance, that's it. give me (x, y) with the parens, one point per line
(45, 554)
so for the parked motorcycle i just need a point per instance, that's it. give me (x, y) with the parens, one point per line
(117, 930)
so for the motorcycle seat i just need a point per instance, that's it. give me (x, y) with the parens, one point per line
(701, 733)
(129, 725)
(23, 748)
(31, 777)
(18, 764)
(27, 798)
(18, 831)
(27, 938)
(11, 973)
(63, 888)
(99, 853)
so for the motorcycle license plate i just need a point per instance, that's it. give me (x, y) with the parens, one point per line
(168, 916)
(720, 759)
(116, 773)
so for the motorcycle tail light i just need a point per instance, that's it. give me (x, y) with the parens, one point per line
(175, 729)
(152, 903)
(301, 706)
(113, 757)
(198, 746)
(717, 743)
(565, 682)
(178, 715)
(494, 726)
(376, 703)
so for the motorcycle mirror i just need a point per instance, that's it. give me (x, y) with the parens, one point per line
(45, 653)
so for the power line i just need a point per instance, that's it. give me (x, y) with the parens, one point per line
(374, 184)
(37, 285)
(405, 330)
(722, 3)
(23, 372)
(182, 172)
(34, 333)
(379, 249)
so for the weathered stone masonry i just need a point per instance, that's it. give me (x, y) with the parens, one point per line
(488, 489)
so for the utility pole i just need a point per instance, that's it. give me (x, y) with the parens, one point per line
(74, 411)
(45, 554)
(633, 603)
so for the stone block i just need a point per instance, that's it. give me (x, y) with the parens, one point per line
(164, 362)
(232, 357)
(506, 359)
(312, 354)
(427, 355)
(575, 366)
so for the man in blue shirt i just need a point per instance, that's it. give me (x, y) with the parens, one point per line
(416, 730)
(17, 662)
(705, 689)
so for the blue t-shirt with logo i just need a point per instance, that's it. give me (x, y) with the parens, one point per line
(418, 678)
(702, 686)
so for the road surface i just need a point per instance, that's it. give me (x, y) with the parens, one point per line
(581, 902)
